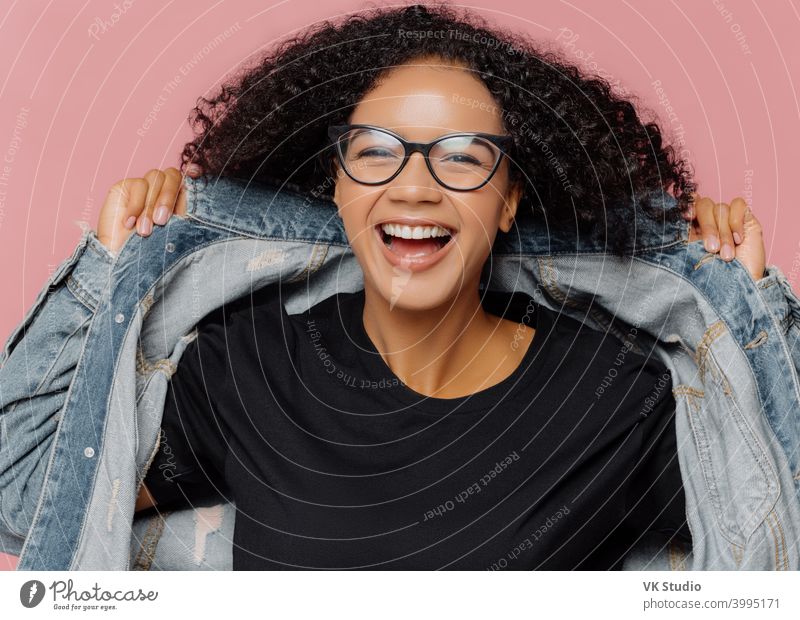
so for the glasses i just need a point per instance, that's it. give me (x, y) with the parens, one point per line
(460, 161)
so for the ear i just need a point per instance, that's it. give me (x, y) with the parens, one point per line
(510, 208)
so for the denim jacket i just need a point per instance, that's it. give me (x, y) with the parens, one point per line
(84, 375)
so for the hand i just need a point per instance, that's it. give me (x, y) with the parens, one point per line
(138, 203)
(730, 229)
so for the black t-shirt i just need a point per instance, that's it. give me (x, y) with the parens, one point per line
(334, 463)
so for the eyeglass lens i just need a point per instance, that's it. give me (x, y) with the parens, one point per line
(460, 162)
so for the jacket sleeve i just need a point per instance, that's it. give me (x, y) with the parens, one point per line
(784, 305)
(36, 369)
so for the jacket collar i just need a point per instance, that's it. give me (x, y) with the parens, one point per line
(277, 212)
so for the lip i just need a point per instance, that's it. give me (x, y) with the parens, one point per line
(419, 263)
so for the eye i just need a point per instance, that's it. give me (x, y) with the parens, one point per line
(375, 152)
(462, 158)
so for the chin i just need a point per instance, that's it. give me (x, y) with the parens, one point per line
(417, 294)
(417, 290)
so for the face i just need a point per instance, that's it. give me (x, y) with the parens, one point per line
(420, 102)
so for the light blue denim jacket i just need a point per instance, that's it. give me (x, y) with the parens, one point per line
(84, 376)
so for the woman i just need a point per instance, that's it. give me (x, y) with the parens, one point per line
(418, 467)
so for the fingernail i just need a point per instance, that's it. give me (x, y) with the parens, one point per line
(130, 222)
(161, 215)
(712, 244)
(727, 252)
(147, 226)
(737, 237)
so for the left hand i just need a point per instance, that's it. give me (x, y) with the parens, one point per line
(730, 229)
(164, 188)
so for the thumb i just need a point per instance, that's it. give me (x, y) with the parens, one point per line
(751, 224)
(751, 252)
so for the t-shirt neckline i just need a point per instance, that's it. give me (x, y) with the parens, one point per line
(522, 377)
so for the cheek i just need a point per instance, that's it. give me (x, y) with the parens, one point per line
(354, 206)
(475, 239)
(480, 222)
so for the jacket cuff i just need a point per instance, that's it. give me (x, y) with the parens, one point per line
(781, 300)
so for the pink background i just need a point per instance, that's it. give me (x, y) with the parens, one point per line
(75, 96)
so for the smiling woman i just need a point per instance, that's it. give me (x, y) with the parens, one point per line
(438, 404)
(424, 181)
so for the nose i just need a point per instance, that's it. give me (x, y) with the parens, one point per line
(415, 182)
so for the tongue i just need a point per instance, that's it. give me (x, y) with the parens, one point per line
(413, 247)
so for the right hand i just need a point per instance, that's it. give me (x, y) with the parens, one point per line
(134, 203)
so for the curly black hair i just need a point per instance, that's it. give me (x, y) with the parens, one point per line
(581, 151)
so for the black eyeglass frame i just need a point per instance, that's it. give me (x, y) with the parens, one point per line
(503, 143)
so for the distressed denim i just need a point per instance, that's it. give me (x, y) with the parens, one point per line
(84, 376)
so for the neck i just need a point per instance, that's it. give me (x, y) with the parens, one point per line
(448, 351)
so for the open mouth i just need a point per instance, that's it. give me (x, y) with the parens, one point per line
(413, 242)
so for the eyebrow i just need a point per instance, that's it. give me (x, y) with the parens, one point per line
(458, 131)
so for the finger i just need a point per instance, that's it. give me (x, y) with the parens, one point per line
(126, 199)
(180, 205)
(722, 215)
(155, 179)
(194, 170)
(689, 214)
(169, 193)
(708, 224)
(736, 221)
(131, 197)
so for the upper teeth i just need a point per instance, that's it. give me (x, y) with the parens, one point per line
(414, 232)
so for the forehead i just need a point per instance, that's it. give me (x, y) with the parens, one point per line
(427, 98)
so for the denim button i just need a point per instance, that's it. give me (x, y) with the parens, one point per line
(170, 247)
(119, 318)
(88, 452)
